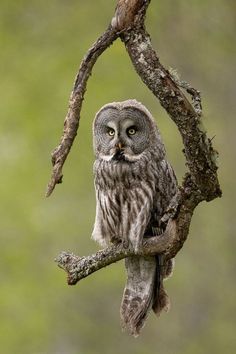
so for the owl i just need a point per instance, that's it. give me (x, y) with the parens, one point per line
(134, 185)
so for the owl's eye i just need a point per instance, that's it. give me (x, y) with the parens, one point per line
(131, 131)
(111, 132)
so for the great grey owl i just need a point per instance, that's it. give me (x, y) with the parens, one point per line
(134, 184)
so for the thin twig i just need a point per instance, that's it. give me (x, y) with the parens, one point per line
(71, 123)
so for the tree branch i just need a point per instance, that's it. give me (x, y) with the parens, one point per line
(200, 183)
(78, 268)
(200, 155)
(71, 123)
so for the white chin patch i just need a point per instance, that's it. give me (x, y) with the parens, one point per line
(132, 158)
(106, 157)
(127, 157)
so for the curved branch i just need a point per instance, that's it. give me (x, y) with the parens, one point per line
(71, 123)
(200, 155)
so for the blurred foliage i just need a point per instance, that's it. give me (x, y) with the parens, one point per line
(42, 44)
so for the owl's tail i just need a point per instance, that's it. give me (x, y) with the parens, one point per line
(161, 299)
(143, 291)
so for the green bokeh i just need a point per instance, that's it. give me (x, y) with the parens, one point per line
(41, 46)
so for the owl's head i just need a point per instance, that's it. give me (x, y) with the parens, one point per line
(124, 131)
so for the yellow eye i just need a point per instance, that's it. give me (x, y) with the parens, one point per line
(111, 132)
(131, 131)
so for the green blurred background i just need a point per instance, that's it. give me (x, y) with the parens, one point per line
(41, 46)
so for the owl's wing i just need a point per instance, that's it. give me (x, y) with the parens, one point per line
(97, 234)
(167, 188)
(167, 185)
(100, 233)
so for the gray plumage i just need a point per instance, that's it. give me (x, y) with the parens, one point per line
(134, 184)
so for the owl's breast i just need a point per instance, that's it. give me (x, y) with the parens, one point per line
(123, 214)
(125, 196)
(122, 175)
(114, 205)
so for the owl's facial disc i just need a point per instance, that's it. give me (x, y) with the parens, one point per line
(122, 135)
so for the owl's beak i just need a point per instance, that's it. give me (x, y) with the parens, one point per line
(119, 154)
(119, 146)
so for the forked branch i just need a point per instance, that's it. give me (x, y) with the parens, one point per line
(200, 183)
